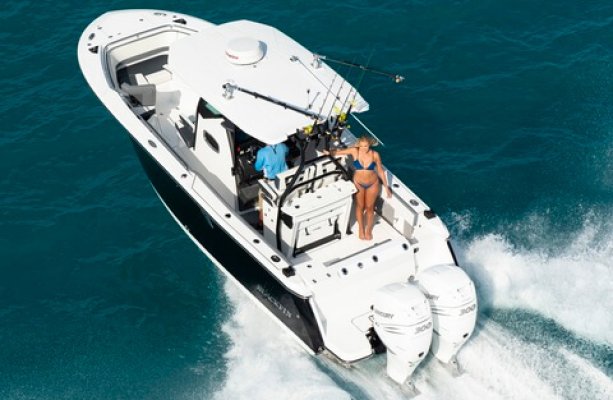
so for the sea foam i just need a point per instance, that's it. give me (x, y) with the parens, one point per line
(572, 285)
(264, 362)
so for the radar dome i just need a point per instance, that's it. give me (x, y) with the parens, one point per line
(245, 50)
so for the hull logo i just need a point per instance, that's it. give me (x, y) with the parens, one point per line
(468, 309)
(424, 327)
(274, 302)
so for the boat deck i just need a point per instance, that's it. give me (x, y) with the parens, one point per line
(350, 257)
(344, 262)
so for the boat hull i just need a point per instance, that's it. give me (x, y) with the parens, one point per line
(293, 311)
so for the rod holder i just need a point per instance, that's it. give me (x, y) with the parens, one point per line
(228, 90)
(316, 63)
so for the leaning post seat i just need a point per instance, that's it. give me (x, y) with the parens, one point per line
(314, 213)
(316, 217)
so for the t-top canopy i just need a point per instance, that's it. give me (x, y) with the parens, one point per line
(201, 61)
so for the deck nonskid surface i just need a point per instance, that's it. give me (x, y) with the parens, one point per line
(340, 258)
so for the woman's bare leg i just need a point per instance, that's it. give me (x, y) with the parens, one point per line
(359, 210)
(369, 205)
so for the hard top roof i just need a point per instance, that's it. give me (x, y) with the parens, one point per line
(284, 73)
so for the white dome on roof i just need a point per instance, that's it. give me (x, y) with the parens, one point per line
(245, 50)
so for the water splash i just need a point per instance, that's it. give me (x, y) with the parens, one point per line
(571, 284)
(567, 285)
(265, 363)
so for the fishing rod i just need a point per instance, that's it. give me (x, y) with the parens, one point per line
(397, 78)
(229, 88)
(372, 51)
(309, 130)
(328, 93)
(337, 97)
(340, 119)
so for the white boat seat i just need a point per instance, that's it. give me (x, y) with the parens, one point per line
(166, 130)
(159, 77)
(165, 102)
(140, 79)
(144, 94)
(315, 217)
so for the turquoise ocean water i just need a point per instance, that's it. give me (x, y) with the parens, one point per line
(504, 126)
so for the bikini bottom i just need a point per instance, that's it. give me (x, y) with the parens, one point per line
(365, 185)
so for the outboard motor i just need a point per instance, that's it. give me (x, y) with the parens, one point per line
(453, 302)
(403, 322)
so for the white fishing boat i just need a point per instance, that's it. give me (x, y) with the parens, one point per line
(198, 100)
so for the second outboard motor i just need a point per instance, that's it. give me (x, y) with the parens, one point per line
(453, 302)
(403, 322)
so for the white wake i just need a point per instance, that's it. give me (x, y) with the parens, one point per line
(265, 363)
(574, 286)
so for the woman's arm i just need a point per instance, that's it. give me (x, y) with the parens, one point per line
(382, 175)
(341, 152)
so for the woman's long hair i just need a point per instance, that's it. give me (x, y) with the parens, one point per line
(372, 142)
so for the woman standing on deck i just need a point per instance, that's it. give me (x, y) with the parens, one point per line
(368, 171)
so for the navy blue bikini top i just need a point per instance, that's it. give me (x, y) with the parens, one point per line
(358, 165)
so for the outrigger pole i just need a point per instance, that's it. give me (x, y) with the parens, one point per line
(229, 88)
(367, 129)
(318, 57)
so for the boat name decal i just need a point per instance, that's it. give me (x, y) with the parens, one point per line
(468, 309)
(274, 302)
(423, 327)
(383, 314)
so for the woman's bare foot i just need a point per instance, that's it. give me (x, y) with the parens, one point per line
(361, 235)
(368, 236)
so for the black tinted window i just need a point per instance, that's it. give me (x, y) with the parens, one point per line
(210, 140)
